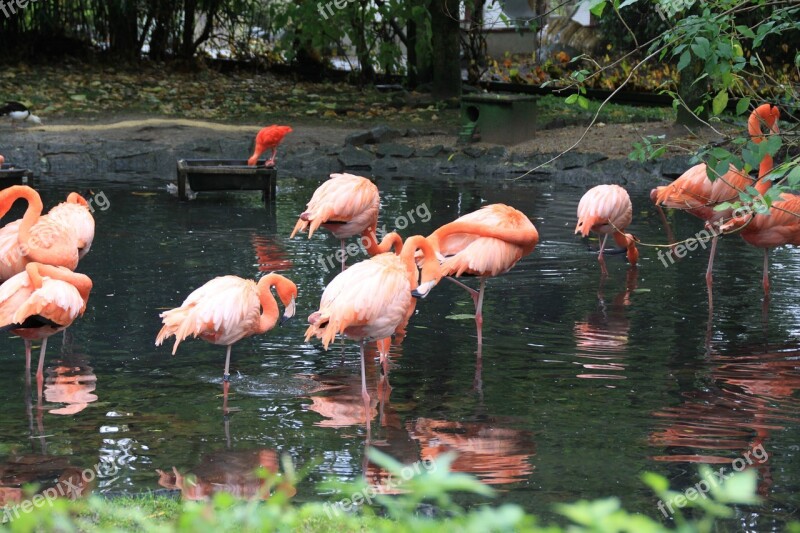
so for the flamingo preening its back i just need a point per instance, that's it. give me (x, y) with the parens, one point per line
(40, 301)
(369, 300)
(268, 138)
(607, 210)
(36, 238)
(346, 205)
(75, 213)
(484, 243)
(695, 193)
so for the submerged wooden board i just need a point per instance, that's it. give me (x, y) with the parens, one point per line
(226, 175)
(11, 175)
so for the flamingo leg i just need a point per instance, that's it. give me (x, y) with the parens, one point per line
(344, 257)
(765, 279)
(709, 275)
(40, 372)
(226, 376)
(364, 393)
(473, 293)
(479, 312)
(670, 236)
(27, 356)
(600, 259)
(226, 385)
(271, 160)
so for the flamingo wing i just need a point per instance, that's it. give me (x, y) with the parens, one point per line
(604, 209)
(56, 301)
(79, 218)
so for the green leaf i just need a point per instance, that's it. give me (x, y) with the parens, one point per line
(656, 482)
(571, 99)
(684, 61)
(742, 105)
(720, 102)
(747, 32)
(701, 47)
(459, 317)
(583, 102)
(793, 179)
(596, 7)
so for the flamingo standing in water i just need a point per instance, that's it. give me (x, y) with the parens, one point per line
(346, 205)
(484, 243)
(42, 239)
(695, 193)
(228, 309)
(41, 301)
(606, 209)
(778, 228)
(268, 139)
(369, 300)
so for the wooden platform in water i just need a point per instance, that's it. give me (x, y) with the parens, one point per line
(13, 175)
(226, 175)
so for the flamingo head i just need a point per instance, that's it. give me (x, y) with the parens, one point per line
(75, 198)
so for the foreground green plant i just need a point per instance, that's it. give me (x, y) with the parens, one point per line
(402, 511)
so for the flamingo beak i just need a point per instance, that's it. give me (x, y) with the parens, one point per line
(423, 289)
(288, 312)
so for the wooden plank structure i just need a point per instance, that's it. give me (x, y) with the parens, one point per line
(226, 175)
(13, 175)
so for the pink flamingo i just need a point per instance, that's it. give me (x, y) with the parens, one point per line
(370, 299)
(484, 243)
(695, 193)
(607, 210)
(39, 302)
(346, 205)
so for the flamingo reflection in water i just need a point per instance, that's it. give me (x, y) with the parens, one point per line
(233, 472)
(71, 381)
(46, 472)
(270, 254)
(748, 397)
(602, 337)
(493, 453)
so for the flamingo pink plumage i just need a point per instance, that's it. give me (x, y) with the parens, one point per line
(75, 213)
(484, 243)
(34, 238)
(41, 301)
(371, 299)
(607, 210)
(227, 309)
(695, 193)
(346, 205)
(268, 138)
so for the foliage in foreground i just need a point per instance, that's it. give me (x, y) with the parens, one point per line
(403, 512)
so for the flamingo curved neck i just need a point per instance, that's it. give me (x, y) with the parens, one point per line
(391, 241)
(32, 213)
(525, 238)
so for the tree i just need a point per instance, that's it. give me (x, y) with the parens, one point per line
(446, 44)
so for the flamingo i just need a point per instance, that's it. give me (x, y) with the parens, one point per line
(606, 209)
(227, 309)
(35, 238)
(41, 301)
(698, 195)
(369, 300)
(268, 138)
(778, 228)
(75, 213)
(346, 205)
(484, 243)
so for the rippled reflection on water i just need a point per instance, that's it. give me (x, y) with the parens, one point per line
(583, 383)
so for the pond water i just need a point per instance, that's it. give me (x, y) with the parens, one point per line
(584, 384)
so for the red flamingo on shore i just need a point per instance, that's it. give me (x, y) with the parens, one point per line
(268, 139)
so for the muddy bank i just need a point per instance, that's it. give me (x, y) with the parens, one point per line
(131, 150)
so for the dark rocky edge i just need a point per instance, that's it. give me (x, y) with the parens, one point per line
(380, 152)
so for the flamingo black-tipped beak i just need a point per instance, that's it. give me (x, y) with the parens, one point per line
(284, 319)
(415, 294)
